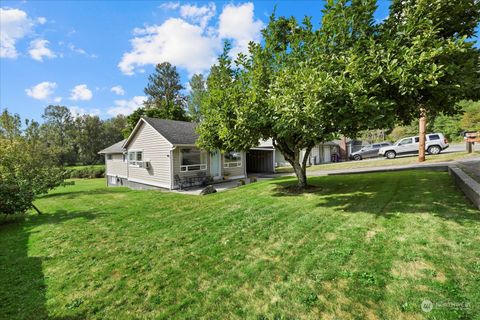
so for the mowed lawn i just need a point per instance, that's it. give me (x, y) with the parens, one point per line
(361, 246)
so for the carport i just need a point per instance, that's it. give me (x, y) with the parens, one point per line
(261, 160)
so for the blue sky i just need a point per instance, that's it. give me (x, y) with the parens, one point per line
(95, 56)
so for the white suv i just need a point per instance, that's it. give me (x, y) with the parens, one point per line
(434, 144)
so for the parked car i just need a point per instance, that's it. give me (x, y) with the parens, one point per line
(434, 144)
(369, 151)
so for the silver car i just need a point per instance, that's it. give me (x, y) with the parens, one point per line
(434, 144)
(369, 151)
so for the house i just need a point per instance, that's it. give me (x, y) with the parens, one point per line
(162, 153)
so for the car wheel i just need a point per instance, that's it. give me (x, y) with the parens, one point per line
(357, 157)
(434, 149)
(390, 154)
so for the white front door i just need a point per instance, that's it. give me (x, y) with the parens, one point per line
(215, 164)
(327, 156)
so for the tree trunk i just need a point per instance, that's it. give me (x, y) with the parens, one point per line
(36, 209)
(421, 134)
(293, 157)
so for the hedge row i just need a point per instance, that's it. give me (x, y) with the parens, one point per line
(86, 173)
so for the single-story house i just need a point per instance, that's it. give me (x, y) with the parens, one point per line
(162, 153)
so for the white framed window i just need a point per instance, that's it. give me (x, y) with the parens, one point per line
(192, 159)
(109, 156)
(135, 158)
(232, 159)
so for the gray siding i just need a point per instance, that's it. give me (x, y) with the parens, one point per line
(116, 166)
(156, 150)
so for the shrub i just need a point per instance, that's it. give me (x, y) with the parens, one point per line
(86, 173)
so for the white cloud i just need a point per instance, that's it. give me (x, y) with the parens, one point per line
(57, 99)
(126, 107)
(77, 111)
(41, 20)
(81, 92)
(38, 50)
(80, 51)
(14, 25)
(169, 5)
(183, 44)
(41, 91)
(200, 15)
(239, 24)
(118, 90)
(192, 42)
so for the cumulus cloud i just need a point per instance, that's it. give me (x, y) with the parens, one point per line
(239, 24)
(41, 20)
(192, 42)
(118, 90)
(200, 15)
(38, 49)
(57, 99)
(81, 92)
(126, 107)
(183, 44)
(14, 25)
(77, 111)
(41, 91)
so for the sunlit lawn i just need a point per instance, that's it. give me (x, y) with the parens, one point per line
(362, 246)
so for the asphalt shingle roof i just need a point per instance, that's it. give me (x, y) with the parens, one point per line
(176, 132)
(114, 148)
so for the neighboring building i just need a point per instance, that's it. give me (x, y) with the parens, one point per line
(162, 154)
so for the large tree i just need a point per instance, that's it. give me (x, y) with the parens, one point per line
(198, 91)
(432, 64)
(164, 97)
(58, 132)
(26, 166)
(89, 138)
(299, 87)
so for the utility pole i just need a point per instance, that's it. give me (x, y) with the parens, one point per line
(421, 135)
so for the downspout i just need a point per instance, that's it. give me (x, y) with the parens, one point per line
(172, 180)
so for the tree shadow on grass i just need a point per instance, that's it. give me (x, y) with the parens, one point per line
(387, 194)
(74, 194)
(22, 282)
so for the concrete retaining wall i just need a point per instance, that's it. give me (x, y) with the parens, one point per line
(470, 187)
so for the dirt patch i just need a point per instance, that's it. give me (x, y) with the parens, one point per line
(417, 270)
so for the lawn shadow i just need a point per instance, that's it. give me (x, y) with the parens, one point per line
(73, 194)
(22, 281)
(385, 194)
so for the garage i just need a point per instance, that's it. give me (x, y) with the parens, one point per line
(260, 160)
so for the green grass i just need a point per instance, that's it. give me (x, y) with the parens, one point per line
(361, 246)
(385, 162)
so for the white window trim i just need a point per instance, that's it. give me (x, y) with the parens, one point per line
(232, 164)
(135, 163)
(189, 168)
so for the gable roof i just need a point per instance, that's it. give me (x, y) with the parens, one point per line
(114, 148)
(176, 132)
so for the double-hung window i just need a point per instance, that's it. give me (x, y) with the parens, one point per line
(135, 158)
(232, 159)
(192, 159)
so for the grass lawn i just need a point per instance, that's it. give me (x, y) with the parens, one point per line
(385, 162)
(361, 246)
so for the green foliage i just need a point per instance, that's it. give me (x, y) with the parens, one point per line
(300, 87)
(87, 172)
(430, 62)
(164, 97)
(58, 131)
(198, 92)
(26, 167)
